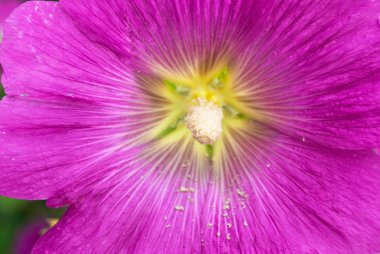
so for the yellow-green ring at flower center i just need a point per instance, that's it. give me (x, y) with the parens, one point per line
(181, 95)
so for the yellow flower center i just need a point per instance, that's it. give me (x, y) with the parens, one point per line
(201, 108)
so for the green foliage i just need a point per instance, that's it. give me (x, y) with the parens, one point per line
(2, 93)
(15, 215)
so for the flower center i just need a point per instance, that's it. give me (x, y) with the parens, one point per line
(198, 109)
(204, 120)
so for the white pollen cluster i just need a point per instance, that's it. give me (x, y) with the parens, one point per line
(204, 120)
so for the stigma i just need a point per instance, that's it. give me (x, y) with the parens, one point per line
(204, 120)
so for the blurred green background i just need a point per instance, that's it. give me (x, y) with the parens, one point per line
(17, 217)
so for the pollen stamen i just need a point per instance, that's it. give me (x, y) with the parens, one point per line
(204, 120)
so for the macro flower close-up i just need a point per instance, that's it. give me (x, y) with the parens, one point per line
(195, 126)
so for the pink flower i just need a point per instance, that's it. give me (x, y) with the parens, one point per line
(196, 126)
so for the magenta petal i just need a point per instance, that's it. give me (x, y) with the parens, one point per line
(325, 199)
(299, 177)
(36, 140)
(328, 204)
(314, 71)
(58, 59)
(51, 117)
(145, 214)
(48, 144)
(6, 7)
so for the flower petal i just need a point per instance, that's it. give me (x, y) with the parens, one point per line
(66, 102)
(325, 202)
(44, 54)
(7, 7)
(40, 144)
(134, 195)
(147, 207)
(324, 199)
(313, 71)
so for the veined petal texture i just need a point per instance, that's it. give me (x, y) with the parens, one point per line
(95, 119)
